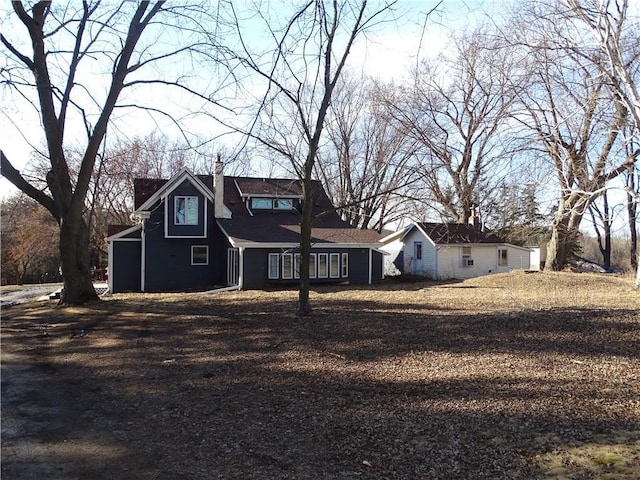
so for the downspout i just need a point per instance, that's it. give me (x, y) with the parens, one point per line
(143, 263)
(240, 267)
(110, 265)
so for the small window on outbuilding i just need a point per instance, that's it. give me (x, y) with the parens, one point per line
(503, 257)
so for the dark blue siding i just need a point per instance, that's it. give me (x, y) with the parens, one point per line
(126, 267)
(168, 260)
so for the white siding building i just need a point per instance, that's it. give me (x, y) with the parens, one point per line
(445, 251)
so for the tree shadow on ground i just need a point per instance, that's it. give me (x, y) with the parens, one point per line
(228, 389)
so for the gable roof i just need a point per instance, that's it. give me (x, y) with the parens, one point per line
(457, 233)
(148, 191)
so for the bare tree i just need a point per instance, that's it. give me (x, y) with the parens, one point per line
(458, 110)
(575, 117)
(61, 39)
(367, 166)
(616, 35)
(27, 248)
(300, 71)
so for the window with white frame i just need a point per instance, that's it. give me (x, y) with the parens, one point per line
(186, 210)
(282, 204)
(287, 266)
(345, 265)
(312, 266)
(261, 203)
(199, 255)
(503, 257)
(334, 265)
(274, 266)
(296, 265)
(323, 265)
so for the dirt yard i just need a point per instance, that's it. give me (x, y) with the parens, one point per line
(516, 376)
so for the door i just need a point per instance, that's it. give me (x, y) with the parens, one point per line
(418, 267)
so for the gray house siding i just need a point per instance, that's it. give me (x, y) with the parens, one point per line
(377, 266)
(125, 275)
(255, 268)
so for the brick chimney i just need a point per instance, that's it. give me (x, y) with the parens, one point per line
(219, 189)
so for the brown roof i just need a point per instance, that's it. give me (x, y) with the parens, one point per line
(447, 233)
(143, 188)
(273, 187)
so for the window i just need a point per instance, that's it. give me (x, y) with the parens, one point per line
(283, 204)
(186, 210)
(503, 259)
(274, 264)
(261, 203)
(467, 261)
(312, 265)
(334, 265)
(345, 265)
(296, 265)
(323, 265)
(287, 265)
(418, 250)
(199, 255)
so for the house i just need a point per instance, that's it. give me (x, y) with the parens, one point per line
(445, 251)
(205, 232)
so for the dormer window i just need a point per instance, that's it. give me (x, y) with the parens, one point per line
(186, 210)
(272, 204)
(282, 204)
(261, 203)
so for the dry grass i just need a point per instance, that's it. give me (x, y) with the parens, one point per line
(507, 376)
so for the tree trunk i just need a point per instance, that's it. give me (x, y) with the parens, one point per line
(563, 240)
(304, 306)
(74, 257)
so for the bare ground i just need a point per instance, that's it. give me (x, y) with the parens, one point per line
(515, 376)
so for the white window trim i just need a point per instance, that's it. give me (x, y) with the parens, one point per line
(290, 257)
(335, 256)
(506, 250)
(277, 201)
(313, 263)
(296, 265)
(268, 203)
(206, 247)
(326, 264)
(345, 265)
(277, 270)
(187, 221)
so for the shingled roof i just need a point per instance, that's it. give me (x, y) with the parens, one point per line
(284, 226)
(456, 233)
(273, 227)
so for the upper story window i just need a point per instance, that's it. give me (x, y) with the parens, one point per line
(272, 204)
(261, 203)
(186, 210)
(282, 203)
